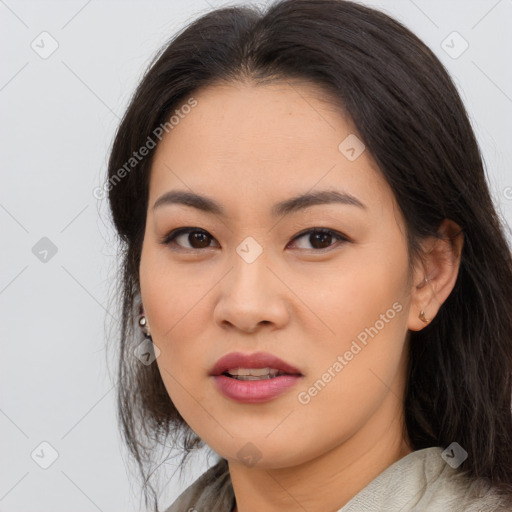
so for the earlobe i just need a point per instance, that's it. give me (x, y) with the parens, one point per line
(437, 274)
(421, 303)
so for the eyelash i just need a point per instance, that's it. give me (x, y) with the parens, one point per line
(169, 239)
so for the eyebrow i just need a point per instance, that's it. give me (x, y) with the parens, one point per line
(282, 208)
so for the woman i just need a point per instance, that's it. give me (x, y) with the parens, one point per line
(311, 251)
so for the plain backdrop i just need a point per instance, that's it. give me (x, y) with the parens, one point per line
(68, 70)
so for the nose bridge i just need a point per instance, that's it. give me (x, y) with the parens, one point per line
(250, 293)
(250, 273)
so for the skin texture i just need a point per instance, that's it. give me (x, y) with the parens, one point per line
(248, 147)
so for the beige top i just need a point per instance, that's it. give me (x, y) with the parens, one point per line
(419, 482)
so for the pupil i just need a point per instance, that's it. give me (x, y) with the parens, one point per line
(202, 238)
(321, 237)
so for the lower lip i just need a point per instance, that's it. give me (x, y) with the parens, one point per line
(255, 391)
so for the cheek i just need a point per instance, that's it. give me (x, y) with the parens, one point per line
(175, 303)
(170, 292)
(355, 291)
(364, 307)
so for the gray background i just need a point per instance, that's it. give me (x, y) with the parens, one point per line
(58, 116)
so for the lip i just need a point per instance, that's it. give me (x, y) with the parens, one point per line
(255, 360)
(254, 391)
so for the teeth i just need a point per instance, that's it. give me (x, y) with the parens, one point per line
(254, 373)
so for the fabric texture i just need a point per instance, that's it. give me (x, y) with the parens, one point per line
(419, 482)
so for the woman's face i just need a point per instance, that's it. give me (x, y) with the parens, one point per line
(254, 278)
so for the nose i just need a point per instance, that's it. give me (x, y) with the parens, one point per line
(251, 296)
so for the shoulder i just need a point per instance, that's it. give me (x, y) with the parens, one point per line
(422, 481)
(211, 492)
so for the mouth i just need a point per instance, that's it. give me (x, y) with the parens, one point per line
(253, 373)
(254, 378)
(256, 366)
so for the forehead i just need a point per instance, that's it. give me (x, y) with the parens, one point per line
(250, 141)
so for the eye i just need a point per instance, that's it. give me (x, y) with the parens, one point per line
(320, 238)
(196, 238)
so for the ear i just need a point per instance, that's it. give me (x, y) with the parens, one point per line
(435, 274)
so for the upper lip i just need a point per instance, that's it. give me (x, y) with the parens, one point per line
(255, 360)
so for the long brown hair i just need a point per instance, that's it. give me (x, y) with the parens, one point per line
(409, 115)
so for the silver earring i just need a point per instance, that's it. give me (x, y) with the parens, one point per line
(143, 323)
